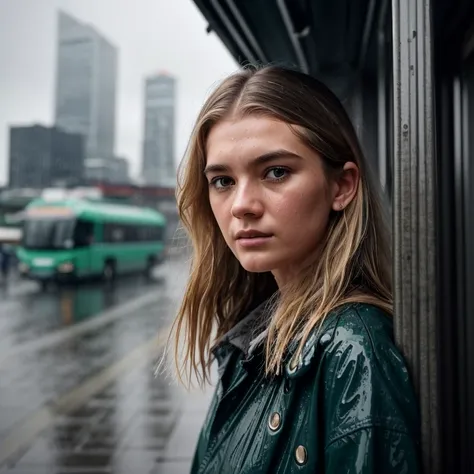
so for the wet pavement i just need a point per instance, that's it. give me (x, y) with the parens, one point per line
(27, 312)
(78, 393)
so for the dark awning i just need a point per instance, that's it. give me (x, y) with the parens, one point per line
(325, 38)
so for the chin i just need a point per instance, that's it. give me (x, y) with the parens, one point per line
(256, 263)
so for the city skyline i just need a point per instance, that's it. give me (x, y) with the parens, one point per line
(26, 102)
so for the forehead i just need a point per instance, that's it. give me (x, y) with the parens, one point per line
(250, 137)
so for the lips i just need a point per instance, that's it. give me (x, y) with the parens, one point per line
(253, 240)
(250, 234)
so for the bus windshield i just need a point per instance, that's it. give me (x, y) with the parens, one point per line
(48, 234)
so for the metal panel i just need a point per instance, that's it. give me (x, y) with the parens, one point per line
(267, 38)
(466, 320)
(293, 38)
(247, 31)
(451, 398)
(239, 40)
(216, 25)
(382, 130)
(414, 211)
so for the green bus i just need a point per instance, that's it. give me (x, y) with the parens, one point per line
(72, 239)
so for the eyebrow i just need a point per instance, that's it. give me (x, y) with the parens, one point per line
(262, 159)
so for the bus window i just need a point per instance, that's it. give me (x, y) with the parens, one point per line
(83, 233)
(113, 233)
(149, 233)
(143, 233)
(131, 233)
(118, 234)
(158, 233)
(47, 234)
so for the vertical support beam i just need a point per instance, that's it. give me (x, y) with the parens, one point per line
(382, 126)
(415, 281)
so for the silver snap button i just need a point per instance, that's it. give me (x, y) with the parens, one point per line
(301, 455)
(274, 421)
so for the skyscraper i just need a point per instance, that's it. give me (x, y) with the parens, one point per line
(43, 156)
(158, 167)
(86, 77)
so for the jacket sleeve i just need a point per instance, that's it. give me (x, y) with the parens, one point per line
(370, 412)
(372, 450)
(203, 438)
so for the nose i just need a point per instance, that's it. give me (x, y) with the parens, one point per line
(247, 202)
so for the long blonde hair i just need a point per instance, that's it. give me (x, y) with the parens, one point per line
(354, 263)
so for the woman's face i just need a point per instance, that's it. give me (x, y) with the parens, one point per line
(269, 194)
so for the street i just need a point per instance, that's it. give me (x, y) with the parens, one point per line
(78, 389)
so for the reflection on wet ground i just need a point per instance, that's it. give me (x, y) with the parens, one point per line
(90, 402)
(124, 429)
(28, 312)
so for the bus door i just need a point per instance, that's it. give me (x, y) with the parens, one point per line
(84, 247)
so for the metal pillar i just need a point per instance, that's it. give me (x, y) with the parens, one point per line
(415, 282)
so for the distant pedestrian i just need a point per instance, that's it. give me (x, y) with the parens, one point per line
(290, 287)
(5, 260)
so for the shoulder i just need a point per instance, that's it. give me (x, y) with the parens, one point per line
(359, 345)
(360, 328)
(362, 375)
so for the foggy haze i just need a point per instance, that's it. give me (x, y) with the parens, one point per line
(150, 35)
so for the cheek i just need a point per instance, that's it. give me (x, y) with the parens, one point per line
(301, 210)
(221, 215)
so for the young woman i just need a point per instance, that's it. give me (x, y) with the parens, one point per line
(290, 287)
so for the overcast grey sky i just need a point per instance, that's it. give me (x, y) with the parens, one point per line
(151, 35)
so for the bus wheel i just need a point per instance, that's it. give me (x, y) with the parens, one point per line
(108, 273)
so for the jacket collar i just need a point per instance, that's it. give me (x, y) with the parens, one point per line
(246, 335)
(250, 333)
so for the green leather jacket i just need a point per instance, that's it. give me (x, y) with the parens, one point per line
(346, 406)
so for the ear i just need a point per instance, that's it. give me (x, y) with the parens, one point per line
(345, 186)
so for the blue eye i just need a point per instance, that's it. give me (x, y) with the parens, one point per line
(277, 173)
